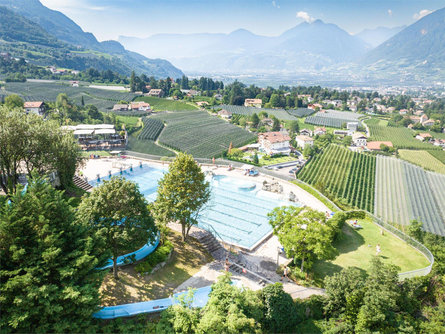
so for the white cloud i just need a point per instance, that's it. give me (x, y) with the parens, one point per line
(305, 16)
(390, 12)
(70, 5)
(275, 4)
(422, 13)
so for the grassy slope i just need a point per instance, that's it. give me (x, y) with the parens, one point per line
(423, 159)
(163, 104)
(186, 260)
(357, 247)
(440, 155)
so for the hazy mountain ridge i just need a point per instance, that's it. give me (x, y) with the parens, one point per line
(418, 49)
(375, 37)
(308, 46)
(60, 26)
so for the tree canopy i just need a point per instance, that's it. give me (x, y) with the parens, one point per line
(117, 211)
(48, 278)
(28, 142)
(305, 234)
(182, 194)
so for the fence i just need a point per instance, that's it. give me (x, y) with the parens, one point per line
(388, 227)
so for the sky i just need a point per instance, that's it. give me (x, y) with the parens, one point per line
(107, 19)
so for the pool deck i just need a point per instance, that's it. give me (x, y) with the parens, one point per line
(266, 252)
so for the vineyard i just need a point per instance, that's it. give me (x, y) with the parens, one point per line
(147, 147)
(301, 112)
(401, 138)
(200, 134)
(439, 155)
(248, 111)
(333, 118)
(423, 159)
(344, 175)
(404, 192)
(152, 129)
(48, 92)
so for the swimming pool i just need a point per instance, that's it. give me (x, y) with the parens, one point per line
(237, 209)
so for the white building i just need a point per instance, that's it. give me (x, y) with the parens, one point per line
(303, 141)
(225, 114)
(274, 143)
(253, 103)
(352, 126)
(37, 108)
(359, 139)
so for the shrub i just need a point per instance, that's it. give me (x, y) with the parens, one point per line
(158, 256)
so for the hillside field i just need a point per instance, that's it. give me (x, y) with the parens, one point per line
(423, 159)
(161, 104)
(200, 134)
(401, 138)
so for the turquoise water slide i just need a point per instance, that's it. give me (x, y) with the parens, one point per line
(142, 252)
(200, 298)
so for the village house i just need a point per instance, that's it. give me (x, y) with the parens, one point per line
(319, 131)
(253, 103)
(303, 141)
(306, 132)
(120, 107)
(429, 123)
(218, 96)
(202, 103)
(424, 136)
(37, 107)
(156, 92)
(419, 119)
(359, 139)
(274, 143)
(140, 106)
(225, 114)
(376, 145)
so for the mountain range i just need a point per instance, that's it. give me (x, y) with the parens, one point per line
(308, 46)
(314, 49)
(48, 37)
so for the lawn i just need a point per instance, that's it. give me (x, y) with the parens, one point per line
(186, 260)
(357, 247)
(133, 121)
(159, 104)
(277, 160)
(99, 153)
(423, 159)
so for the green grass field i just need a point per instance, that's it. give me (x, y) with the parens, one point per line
(158, 104)
(129, 120)
(357, 247)
(423, 159)
(402, 138)
(439, 155)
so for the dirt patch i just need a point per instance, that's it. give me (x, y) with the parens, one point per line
(186, 259)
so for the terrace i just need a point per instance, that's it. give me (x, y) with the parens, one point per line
(97, 136)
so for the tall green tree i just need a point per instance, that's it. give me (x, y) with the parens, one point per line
(305, 234)
(14, 101)
(133, 82)
(28, 142)
(182, 194)
(117, 211)
(255, 120)
(48, 278)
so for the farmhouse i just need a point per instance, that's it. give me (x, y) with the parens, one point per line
(359, 139)
(428, 123)
(253, 103)
(376, 145)
(225, 114)
(120, 107)
(274, 143)
(303, 141)
(342, 133)
(140, 106)
(156, 92)
(424, 136)
(320, 131)
(37, 108)
(306, 132)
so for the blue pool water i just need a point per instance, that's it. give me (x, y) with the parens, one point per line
(237, 209)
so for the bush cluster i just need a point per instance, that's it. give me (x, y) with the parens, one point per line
(158, 256)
